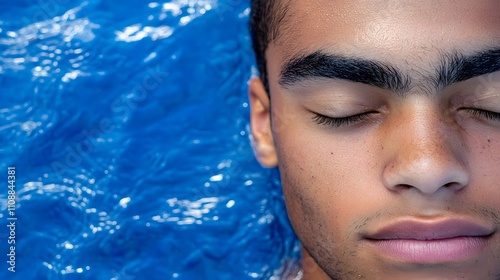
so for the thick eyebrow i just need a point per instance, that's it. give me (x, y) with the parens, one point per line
(456, 67)
(324, 65)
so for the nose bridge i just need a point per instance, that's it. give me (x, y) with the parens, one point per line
(425, 139)
(426, 154)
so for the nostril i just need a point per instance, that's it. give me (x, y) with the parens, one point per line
(455, 186)
(402, 187)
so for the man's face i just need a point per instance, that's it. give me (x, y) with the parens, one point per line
(385, 119)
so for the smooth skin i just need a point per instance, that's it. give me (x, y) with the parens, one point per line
(426, 152)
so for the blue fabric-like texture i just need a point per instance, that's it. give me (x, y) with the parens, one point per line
(127, 122)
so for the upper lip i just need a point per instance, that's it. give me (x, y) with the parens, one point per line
(431, 229)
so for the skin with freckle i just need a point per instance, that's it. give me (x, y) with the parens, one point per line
(357, 154)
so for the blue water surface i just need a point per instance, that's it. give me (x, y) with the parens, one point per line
(127, 123)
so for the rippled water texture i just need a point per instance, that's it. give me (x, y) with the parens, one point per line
(127, 124)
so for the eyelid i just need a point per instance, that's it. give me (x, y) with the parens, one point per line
(341, 121)
(483, 113)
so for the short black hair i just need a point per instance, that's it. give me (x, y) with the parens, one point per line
(265, 18)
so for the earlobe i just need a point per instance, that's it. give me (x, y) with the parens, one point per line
(260, 121)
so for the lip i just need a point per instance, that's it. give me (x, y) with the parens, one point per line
(431, 241)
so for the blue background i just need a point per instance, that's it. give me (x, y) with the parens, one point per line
(127, 122)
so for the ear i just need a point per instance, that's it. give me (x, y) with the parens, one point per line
(260, 120)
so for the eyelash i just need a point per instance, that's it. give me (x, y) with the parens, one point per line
(480, 113)
(350, 120)
(338, 122)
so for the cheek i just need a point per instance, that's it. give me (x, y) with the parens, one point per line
(485, 165)
(324, 178)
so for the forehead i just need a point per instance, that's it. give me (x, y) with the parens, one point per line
(415, 31)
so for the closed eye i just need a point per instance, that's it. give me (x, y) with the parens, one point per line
(483, 114)
(342, 121)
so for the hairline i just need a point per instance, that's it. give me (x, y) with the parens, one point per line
(268, 19)
(280, 11)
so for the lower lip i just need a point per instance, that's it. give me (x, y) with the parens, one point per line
(432, 251)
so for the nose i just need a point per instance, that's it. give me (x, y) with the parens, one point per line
(426, 154)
